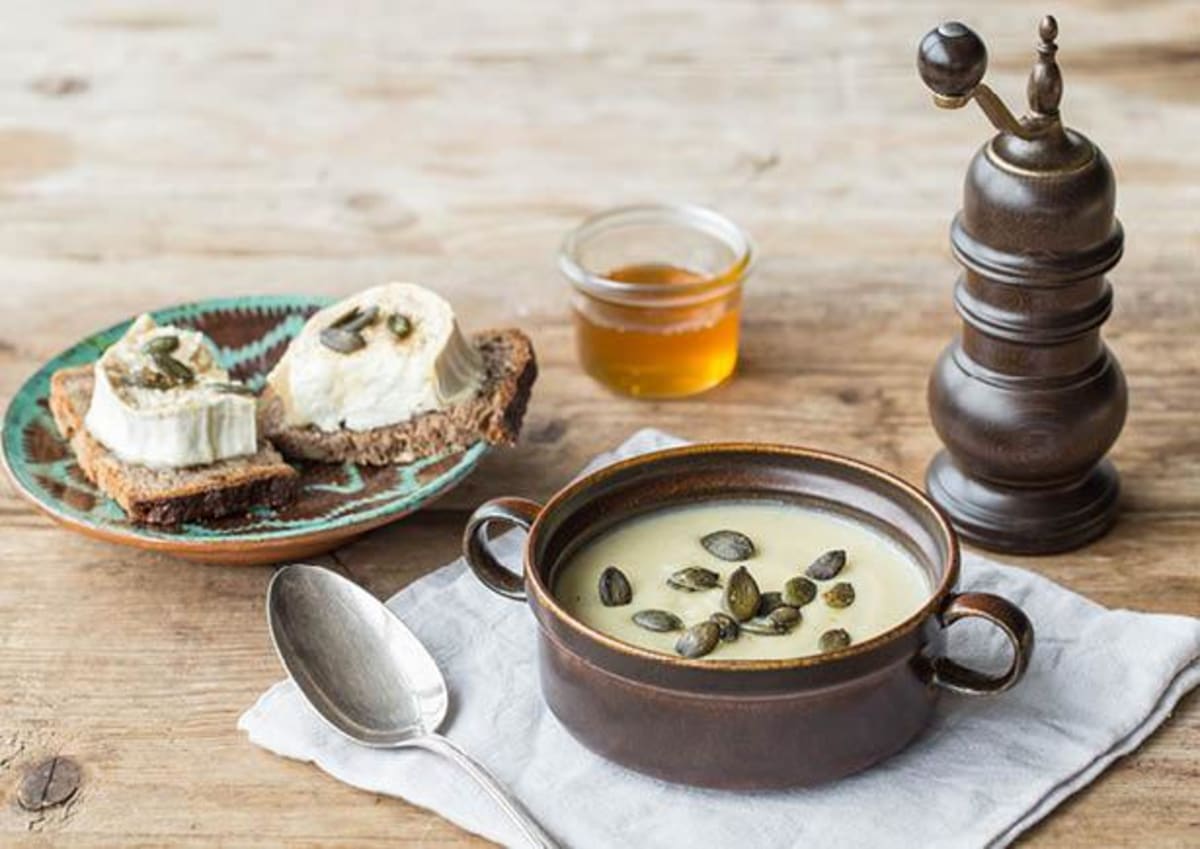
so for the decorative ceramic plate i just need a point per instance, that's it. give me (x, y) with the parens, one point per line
(336, 502)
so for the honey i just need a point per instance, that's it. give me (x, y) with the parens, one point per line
(658, 351)
(657, 298)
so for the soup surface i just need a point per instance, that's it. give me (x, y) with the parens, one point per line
(888, 584)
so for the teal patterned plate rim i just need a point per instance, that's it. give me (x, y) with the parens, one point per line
(250, 333)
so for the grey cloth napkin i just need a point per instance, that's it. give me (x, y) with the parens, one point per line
(986, 769)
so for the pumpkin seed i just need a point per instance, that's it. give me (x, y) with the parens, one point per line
(827, 565)
(146, 379)
(741, 595)
(202, 359)
(768, 602)
(346, 317)
(781, 620)
(759, 625)
(342, 341)
(839, 595)
(160, 345)
(174, 369)
(694, 578)
(785, 617)
(356, 321)
(699, 639)
(233, 388)
(728, 545)
(728, 625)
(614, 588)
(799, 591)
(837, 638)
(400, 326)
(658, 620)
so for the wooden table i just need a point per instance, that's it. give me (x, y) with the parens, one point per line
(152, 153)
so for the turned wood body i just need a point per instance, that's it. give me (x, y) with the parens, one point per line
(1028, 400)
(1021, 413)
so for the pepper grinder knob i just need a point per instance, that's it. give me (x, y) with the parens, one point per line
(952, 60)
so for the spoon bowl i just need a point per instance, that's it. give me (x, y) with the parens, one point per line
(358, 665)
(367, 676)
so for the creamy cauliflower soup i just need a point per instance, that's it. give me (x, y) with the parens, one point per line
(741, 580)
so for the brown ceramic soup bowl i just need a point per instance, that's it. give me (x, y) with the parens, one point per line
(744, 723)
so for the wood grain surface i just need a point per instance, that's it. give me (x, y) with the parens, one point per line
(152, 153)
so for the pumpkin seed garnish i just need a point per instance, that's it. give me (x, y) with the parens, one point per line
(346, 317)
(741, 595)
(233, 388)
(174, 369)
(759, 626)
(342, 341)
(785, 617)
(834, 639)
(694, 578)
(768, 602)
(614, 588)
(148, 379)
(728, 625)
(400, 326)
(658, 620)
(840, 594)
(781, 620)
(728, 545)
(160, 345)
(799, 591)
(355, 320)
(827, 565)
(699, 639)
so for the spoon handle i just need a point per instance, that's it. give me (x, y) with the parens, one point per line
(529, 828)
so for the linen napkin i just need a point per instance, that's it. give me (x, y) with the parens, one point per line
(986, 769)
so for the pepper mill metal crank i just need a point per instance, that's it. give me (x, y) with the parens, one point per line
(1028, 400)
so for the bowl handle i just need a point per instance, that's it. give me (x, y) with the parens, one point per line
(497, 578)
(1008, 618)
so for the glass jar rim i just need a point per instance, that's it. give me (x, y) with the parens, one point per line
(685, 215)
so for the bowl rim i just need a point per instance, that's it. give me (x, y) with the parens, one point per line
(545, 598)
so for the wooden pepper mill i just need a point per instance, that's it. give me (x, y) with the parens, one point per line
(1029, 399)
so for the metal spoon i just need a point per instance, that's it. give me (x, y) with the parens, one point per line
(366, 675)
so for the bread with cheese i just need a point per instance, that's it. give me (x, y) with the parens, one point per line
(167, 496)
(493, 413)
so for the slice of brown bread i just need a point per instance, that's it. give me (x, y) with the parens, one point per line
(167, 496)
(494, 413)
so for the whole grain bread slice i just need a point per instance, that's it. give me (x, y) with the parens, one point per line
(167, 496)
(494, 414)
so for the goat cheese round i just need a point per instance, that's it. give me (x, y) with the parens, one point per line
(144, 414)
(409, 358)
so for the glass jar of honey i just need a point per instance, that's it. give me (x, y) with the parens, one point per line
(656, 297)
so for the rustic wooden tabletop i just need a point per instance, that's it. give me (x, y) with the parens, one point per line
(157, 152)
